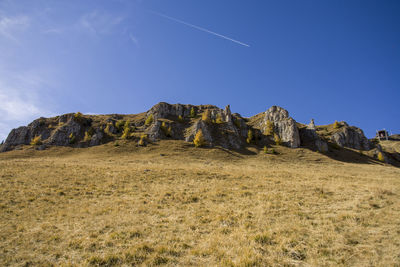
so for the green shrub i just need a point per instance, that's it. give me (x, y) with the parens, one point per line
(180, 118)
(269, 129)
(192, 113)
(265, 150)
(36, 141)
(149, 120)
(249, 136)
(199, 139)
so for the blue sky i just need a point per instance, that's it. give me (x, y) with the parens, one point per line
(327, 60)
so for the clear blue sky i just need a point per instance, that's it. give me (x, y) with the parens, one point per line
(327, 60)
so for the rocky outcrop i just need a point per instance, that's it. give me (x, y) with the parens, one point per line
(310, 138)
(284, 126)
(182, 122)
(351, 137)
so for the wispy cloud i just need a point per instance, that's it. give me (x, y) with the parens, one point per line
(10, 26)
(99, 22)
(21, 101)
(199, 28)
(134, 39)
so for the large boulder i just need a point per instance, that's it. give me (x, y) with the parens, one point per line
(351, 137)
(284, 126)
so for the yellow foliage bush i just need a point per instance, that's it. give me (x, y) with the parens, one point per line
(192, 113)
(219, 118)
(72, 138)
(180, 118)
(199, 139)
(381, 158)
(107, 129)
(249, 136)
(336, 125)
(119, 124)
(277, 139)
(206, 116)
(269, 130)
(87, 137)
(36, 141)
(149, 120)
(143, 140)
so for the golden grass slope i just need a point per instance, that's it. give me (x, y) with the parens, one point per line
(172, 204)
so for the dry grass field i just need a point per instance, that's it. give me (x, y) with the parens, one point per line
(173, 204)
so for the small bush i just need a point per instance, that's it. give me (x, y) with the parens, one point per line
(277, 139)
(36, 141)
(166, 130)
(78, 116)
(120, 125)
(126, 133)
(87, 137)
(206, 117)
(149, 120)
(219, 118)
(72, 139)
(265, 150)
(199, 139)
(180, 118)
(249, 136)
(192, 113)
(143, 140)
(269, 130)
(336, 125)
(107, 129)
(381, 157)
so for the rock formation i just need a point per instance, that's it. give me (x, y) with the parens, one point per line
(181, 122)
(284, 126)
(352, 137)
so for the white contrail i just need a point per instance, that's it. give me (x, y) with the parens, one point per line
(198, 28)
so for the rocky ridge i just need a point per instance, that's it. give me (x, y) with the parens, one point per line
(181, 122)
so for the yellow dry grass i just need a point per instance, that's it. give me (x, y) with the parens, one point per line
(172, 204)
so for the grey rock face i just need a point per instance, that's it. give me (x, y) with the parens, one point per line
(164, 110)
(352, 137)
(192, 131)
(60, 136)
(96, 138)
(284, 126)
(310, 137)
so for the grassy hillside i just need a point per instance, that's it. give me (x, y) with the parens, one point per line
(173, 204)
